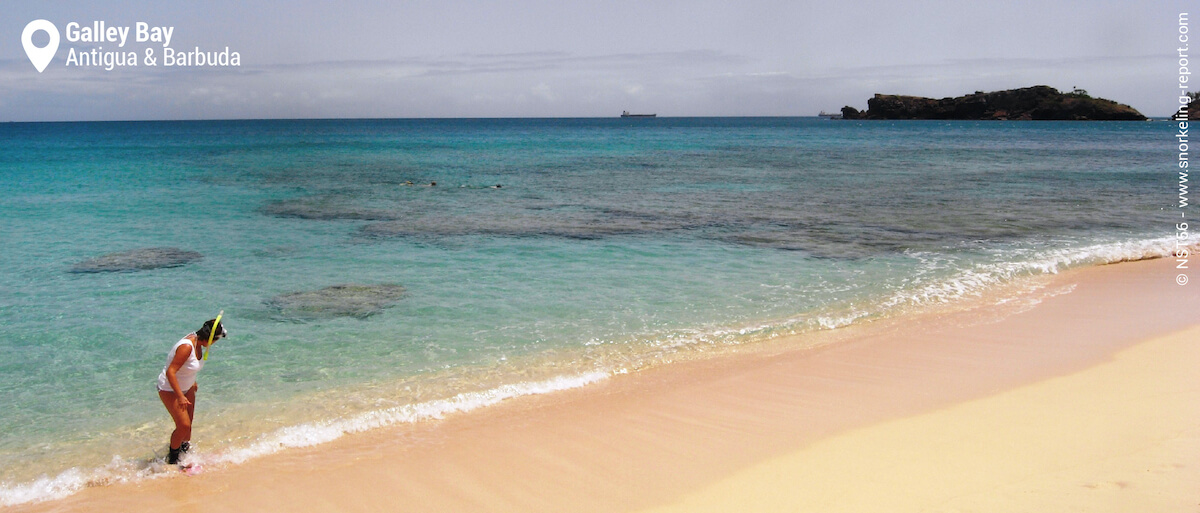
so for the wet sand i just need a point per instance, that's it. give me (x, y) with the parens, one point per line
(1077, 401)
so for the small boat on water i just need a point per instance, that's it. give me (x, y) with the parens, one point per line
(830, 116)
(626, 114)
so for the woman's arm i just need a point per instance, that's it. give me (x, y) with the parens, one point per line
(181, 357)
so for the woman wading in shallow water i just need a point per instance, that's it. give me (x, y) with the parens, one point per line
(177, 382)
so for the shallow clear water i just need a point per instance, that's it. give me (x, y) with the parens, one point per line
(611, 244)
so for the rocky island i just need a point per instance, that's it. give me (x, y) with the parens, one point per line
(1037, 102)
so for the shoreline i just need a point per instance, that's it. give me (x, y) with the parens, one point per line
(347, 411)
(645, 439)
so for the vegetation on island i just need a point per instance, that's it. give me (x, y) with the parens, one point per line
(1193, 108)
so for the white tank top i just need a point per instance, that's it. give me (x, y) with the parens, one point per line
(186, 375)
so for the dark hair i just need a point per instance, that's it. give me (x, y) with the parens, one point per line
(206, 330)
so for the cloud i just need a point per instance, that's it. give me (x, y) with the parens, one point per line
(1006, 65)
(690, 82)
(520, 62)
(468, 84)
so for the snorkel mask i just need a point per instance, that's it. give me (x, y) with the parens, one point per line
(212, 333)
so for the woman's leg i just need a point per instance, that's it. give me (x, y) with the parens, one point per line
(182, 418)
(191, 411)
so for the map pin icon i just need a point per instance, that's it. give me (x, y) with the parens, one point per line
(40, 57)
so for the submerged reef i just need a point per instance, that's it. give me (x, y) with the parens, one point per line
(137, 260)
(587, 225)
(327, 208)
(1029, 103)
(346, 300)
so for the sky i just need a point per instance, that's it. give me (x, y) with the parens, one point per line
(564, 58)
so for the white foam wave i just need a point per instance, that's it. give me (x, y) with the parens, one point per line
(120, 469)
(971, 282)
(833, 323)
(70, 481)
(305, 435)
(45, 488)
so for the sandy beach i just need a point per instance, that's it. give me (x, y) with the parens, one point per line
(1120, 436)
(1078, 398)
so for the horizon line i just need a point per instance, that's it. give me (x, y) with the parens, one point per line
(448, 118)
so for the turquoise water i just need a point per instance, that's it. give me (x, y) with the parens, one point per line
(610, 245)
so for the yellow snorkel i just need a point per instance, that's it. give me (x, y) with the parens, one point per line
(212, 332)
